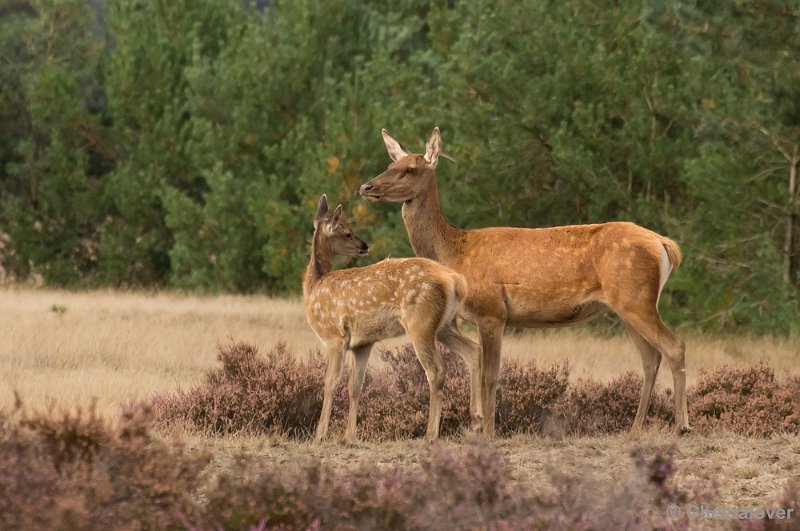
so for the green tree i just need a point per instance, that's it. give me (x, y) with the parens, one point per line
(742, 182)
(152, 46)
(52, 147)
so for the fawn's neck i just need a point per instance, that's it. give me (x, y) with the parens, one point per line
(320, 263)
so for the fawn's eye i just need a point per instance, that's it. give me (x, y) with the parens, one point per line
(409, 170)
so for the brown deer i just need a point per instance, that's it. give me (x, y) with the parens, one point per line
(354, 308)
(541, 277)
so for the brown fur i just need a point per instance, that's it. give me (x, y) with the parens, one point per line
(351, 309)
(540, 277)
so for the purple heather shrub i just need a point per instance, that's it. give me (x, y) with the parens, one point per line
(592, 408)
(277, 393)
(750, 401)
(76, 471)
(528, 397)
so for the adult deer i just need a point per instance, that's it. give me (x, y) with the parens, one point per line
(541, 277)
(354, 308)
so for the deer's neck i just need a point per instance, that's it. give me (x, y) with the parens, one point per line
(429, 232)
(320, 264)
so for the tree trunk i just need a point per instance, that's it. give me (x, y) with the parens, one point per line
(788, 239)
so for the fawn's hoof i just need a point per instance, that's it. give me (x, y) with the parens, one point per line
(477, 425)
(350, 441)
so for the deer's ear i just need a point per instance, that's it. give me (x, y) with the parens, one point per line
(396, 151)
(322, 210)
(337, 214)
(433, 148)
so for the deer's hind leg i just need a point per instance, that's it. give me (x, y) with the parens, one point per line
(651, 360)
(642, 317)
(360, 358)
(491, 334)
(421, 329)
(636, 302)
(470, 352)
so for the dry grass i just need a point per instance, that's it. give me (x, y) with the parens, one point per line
(62, 349)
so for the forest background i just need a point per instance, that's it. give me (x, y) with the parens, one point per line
(184, 144)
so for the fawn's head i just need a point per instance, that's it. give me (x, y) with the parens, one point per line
(409, 175)
(335, 232)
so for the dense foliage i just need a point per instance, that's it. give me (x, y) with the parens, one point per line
(184, 144)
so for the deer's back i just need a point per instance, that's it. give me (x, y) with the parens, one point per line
(558, 275)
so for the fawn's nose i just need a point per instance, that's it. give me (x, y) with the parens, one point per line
(365, 188)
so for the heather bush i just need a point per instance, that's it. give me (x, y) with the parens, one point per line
(750, 401)
(74, 471)
(68, 438)
(396, 403)
(276, 393)
(250, 392)
(591, 408)
(528, 397)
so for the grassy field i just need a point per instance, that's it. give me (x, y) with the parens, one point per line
(68, 349)
(63, 350)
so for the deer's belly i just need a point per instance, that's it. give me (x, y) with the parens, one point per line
(540, 316)
(371, 327)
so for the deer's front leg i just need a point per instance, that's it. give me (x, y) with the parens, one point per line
(335, 353)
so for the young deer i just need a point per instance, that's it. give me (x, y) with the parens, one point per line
(543, 277)
(354, 308)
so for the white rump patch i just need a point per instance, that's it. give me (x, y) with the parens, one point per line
(665, 268)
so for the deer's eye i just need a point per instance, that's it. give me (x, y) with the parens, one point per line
(409, 170)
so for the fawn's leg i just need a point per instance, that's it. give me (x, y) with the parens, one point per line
(335, 353)
(360, 358)
(470, 352)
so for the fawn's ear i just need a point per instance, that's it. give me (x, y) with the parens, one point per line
(396, 151)
(335, 217)
(433, 148)
(322, 210)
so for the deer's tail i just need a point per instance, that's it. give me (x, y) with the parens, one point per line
(673, 252)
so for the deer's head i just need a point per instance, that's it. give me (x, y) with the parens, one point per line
(335, 232)
(408, 175)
